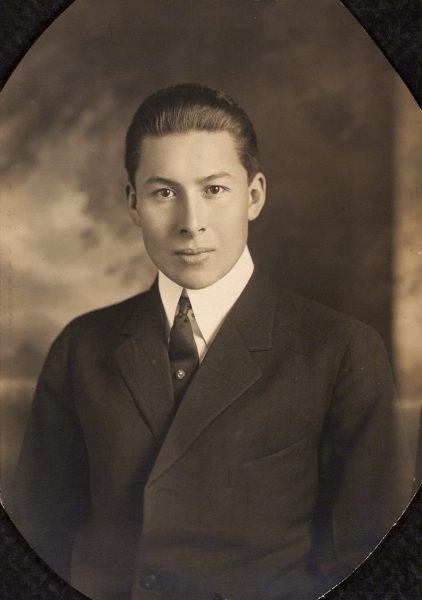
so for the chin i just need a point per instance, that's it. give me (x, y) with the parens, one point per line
(194, 281)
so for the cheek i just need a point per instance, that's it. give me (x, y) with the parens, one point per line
(233, 223)
(154, 224)
(153, 235)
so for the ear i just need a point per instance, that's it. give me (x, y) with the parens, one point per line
(133, 204)
(257, 191)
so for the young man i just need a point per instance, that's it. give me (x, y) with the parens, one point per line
(215, 437)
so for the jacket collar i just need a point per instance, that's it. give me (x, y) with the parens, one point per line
(254, 312)
(142, 359)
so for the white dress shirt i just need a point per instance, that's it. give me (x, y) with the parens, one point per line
(210, 305)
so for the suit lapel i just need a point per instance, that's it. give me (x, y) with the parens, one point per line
(143, 362)
(226, 373)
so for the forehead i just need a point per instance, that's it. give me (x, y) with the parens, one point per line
(196, 153)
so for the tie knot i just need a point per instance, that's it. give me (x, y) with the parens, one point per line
(184, 305)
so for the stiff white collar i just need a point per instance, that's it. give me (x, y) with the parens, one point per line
(210, 305)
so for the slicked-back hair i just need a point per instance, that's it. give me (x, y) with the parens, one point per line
(191, 107)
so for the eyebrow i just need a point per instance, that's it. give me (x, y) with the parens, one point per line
(165, 181)
(160, 181)
(220, 175)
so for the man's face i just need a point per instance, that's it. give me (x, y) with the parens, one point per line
(193, 202)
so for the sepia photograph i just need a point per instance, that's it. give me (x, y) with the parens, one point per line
(211, 367)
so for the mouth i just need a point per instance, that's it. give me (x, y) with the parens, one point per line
(193, 256)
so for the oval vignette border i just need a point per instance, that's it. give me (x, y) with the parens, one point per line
(393, 570)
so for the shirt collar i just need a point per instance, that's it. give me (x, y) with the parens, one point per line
(210, 305)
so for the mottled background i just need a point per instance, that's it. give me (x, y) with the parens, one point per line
(339, 143)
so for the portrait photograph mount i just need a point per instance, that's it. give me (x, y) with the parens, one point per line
(276, 234)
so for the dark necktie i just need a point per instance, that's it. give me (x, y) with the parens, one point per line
(183, 353)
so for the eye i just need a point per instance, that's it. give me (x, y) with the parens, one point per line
(164, 193)
(214, 190)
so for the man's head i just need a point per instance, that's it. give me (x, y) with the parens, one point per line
(193, 181)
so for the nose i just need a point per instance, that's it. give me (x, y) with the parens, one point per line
(191, 216)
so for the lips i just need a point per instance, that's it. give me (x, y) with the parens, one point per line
(193, 256)
(193, 251)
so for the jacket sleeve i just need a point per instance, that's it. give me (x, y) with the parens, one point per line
(50, 491)
(366, 468)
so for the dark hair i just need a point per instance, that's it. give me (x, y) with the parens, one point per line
(187, 107)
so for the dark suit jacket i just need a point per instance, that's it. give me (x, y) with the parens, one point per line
(282, 468)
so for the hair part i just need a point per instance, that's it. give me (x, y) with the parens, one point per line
(191, 107)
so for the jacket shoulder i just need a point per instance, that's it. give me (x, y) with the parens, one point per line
(101, 323)
(320, 322)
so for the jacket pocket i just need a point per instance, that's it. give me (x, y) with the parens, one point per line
(284, 465)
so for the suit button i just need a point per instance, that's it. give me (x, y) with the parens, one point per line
(149, 581)
(180, 374)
